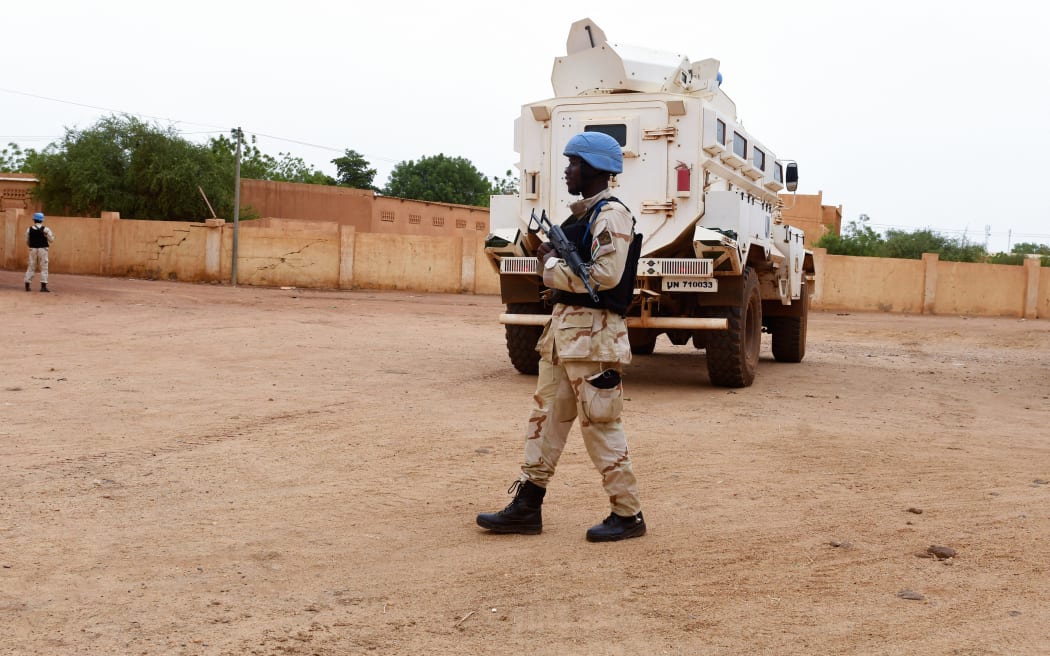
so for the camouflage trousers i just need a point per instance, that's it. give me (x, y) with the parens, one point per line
(562, 394)
(37, 255)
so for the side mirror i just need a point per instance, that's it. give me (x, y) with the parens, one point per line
(791, 176)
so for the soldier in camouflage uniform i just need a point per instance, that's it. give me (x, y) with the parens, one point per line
(582, 351)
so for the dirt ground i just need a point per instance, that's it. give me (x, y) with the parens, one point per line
(200, 469)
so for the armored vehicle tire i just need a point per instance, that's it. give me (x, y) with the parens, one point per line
(732, 355)
(521, 340)
(643, 342)
(789, 333)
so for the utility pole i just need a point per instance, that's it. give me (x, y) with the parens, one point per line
(237, 132)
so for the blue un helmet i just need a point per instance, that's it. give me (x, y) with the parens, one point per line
(598, 149)
(38, 217)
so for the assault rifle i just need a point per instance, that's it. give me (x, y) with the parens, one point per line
(565, 249)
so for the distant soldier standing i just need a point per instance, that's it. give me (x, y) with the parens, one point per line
(582, 351)
(38, 237)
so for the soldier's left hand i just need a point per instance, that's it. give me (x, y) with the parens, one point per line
(545, 252)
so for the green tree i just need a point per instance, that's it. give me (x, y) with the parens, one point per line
(353, 170)
(15, 160)
(504, 186)
(441, 179)
(136, 168)
(258, 165)
(911, 246)
(1030, 248)
(1019, 251)
(287, 168)
(857, 238)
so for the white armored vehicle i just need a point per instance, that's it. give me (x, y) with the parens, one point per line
(718, 265)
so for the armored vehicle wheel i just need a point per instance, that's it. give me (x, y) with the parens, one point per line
(643, 342)
(789, 333)
(521, 340)
(732, 355)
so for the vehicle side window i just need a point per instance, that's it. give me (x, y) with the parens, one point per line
(617, 131)
(739, 145)
(760, 159)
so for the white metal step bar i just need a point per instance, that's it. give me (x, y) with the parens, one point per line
(682, 267)
(666, 323)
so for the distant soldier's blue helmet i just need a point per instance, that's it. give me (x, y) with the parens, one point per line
(38, 217)
(598, 149)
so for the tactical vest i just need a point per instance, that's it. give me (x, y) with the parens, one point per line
(37, 238)
(618, 298)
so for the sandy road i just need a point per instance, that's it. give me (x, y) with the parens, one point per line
(196, 469)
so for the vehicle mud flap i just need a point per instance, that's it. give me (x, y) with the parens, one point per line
(789, 333)
(732, 355)
(643, 340)
(521, 340)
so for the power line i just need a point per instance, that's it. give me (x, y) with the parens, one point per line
(964, 231)
(304, 143)
(105, 109)
(217, 128)
(978, 236)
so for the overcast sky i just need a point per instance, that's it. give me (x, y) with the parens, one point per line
(916, 113)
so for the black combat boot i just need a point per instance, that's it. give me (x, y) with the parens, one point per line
(27, 286)
(616, 527)
(43, 287)
(522, 515)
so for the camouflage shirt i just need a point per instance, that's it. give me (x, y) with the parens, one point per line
(582, 333)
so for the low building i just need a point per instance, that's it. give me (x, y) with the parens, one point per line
(808, 213)
(362, 209)
(16, 192)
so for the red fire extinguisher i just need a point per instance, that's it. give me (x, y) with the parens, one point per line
(684, 175)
